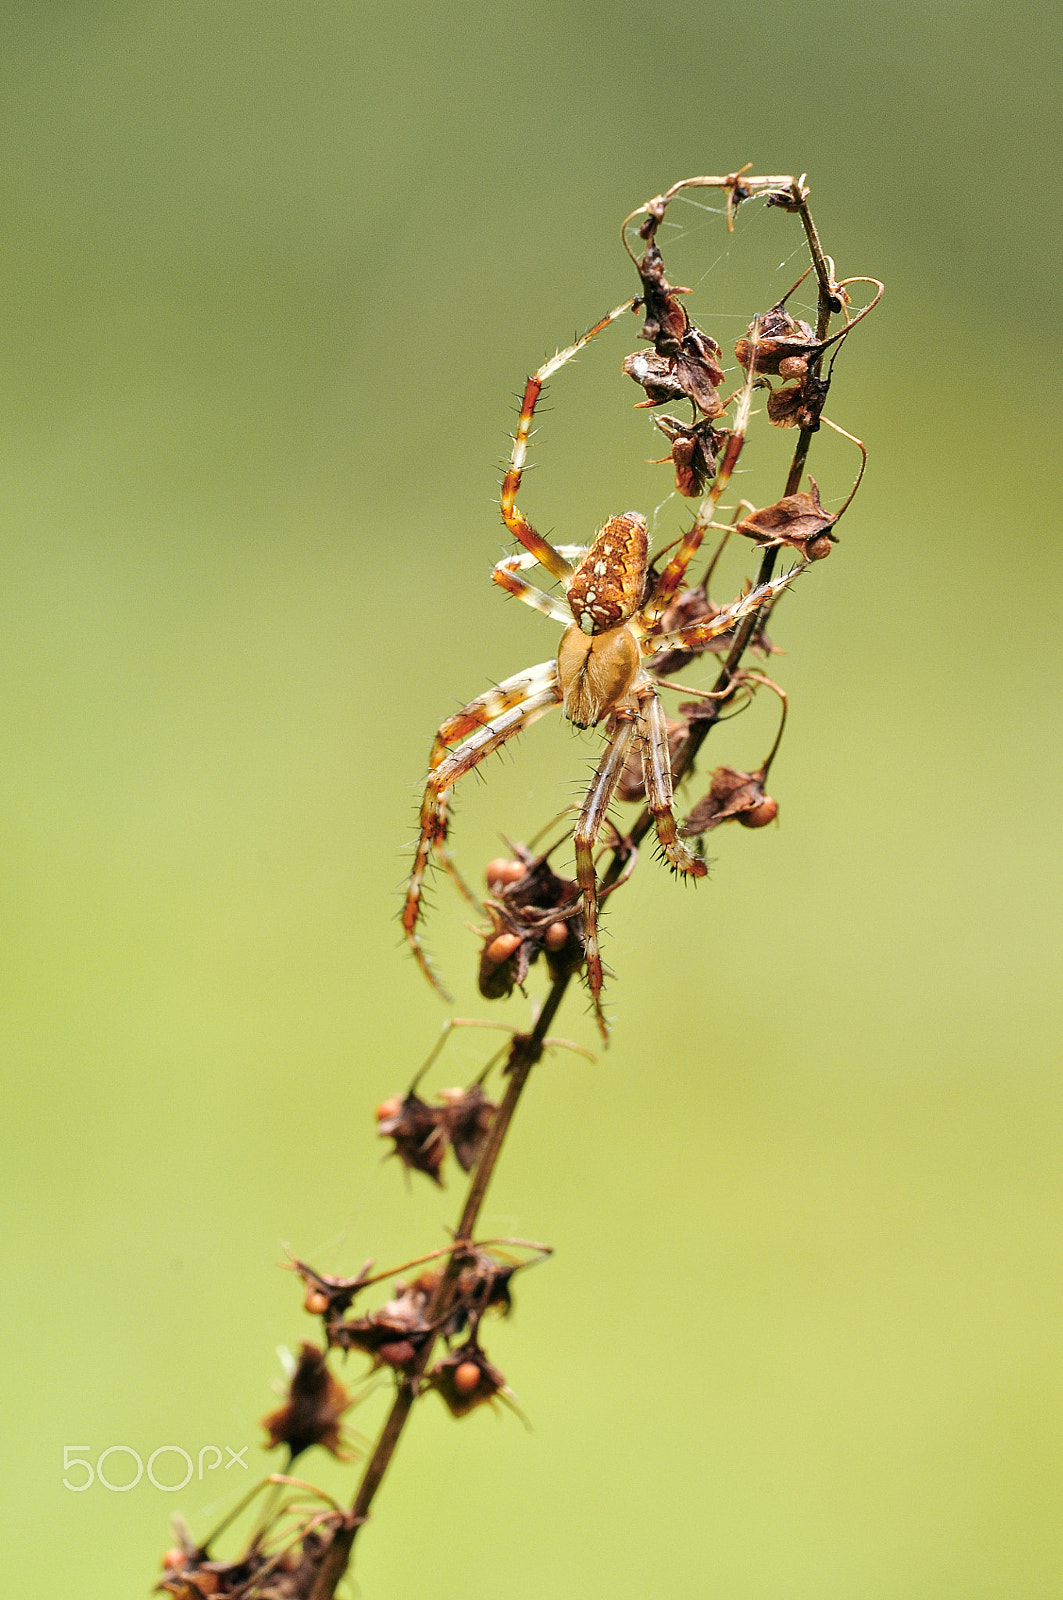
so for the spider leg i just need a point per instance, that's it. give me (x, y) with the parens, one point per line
(505, 575)
(513, 710)
(489, 705)
(657, 778)
(696, 634)
(542, 550)
(591, 817)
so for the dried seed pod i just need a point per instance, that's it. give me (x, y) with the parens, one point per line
(731, 796)
(483, 1283)
(395, 1334)
(759, 816)
(522, 913)
(327, 1296)
(778, 337)
(311, 1415)
(656, 375)
(798, 520)
(478, 1384)
(468, 1114)
(693, 358)
(502, 871)
(695, 449)
(799, 405)
(419, 1132)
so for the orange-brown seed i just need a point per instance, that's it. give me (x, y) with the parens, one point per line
(466, 1377)
(502, 871)
(316, 1301)
(174, 1559)
(556, 935)
(388, 1108)
(502, 948)
(760, 815)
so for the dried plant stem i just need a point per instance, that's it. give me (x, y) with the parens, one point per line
(526, 1051)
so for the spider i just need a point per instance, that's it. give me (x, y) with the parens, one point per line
(600, 674)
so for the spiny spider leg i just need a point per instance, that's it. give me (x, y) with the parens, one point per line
(591, 817)
(543, 551)
(657, 780)
(699, 633)
(514, 710)
(505, 575)
(487, 706)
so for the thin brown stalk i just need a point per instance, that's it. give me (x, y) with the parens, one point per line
(525, 1052)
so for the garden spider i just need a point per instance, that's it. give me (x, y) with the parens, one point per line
(599, 675)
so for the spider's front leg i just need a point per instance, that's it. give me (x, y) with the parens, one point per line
(483, 726)
(591, 817)
(542, 550)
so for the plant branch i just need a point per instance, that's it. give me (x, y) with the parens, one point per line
(525, 1052)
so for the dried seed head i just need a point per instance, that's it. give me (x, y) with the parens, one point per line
(695, 448)
(656, 374)
(395, 1334)
(311, 1415)
(798, 520)
(479, 1382)
(732, 795)
(327, 1296)
(468, 1115)
(799, 405)
(418, 1131)
(501, 960)
(778, 338)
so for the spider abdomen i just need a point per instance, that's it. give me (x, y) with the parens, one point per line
(606, 588)
(595, 672)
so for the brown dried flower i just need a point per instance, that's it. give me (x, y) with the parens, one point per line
(418, 1130)
(799, 405)
(327, 1296)
(311, 1415)
(466, 1379)
(783, 344)
(733, 796)
(395, 1334)
(531, 914)
(467, 1115)
(798, 520)
(695, 448)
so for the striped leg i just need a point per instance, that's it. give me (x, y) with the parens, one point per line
(591, 817)
(657, 777)
(696, 634)
(505, 575)
(489, 721)
(543, 551)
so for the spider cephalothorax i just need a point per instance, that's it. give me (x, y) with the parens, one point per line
(601, 673)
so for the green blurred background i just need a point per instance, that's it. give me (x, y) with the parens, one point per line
(271, 274)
